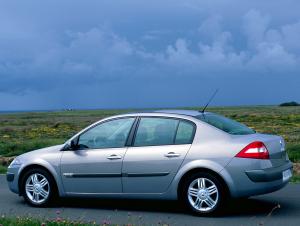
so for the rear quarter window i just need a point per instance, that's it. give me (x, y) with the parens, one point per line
(225, 124)
(185, 133)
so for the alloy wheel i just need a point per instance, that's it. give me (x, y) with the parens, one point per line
(37, 188)
(203, 194)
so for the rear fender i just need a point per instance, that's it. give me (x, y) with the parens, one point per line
(197, 164)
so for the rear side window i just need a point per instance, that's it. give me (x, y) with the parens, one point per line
(185, 133)
(155, 131)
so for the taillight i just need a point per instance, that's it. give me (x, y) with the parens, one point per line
(255, 150)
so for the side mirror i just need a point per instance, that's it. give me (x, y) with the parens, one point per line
(73, 145)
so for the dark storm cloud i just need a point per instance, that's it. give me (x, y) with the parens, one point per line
(57, 54)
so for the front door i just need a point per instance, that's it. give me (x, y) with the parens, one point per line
(95, 167)
(158, 150)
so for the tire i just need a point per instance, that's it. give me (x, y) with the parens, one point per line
(39, 188)
(203, 194)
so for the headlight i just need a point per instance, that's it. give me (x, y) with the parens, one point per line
(15, 162)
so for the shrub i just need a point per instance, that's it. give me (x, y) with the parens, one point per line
(287, 104)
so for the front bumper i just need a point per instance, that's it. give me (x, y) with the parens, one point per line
(12, 177)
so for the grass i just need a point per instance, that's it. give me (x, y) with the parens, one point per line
(23, 132)
(2, 169)
(295, 178)
(28, 221)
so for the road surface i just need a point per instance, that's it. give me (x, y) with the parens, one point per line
(279, 208)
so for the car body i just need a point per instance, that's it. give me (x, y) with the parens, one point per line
(138, 155)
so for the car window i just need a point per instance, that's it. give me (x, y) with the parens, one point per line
(111, 134)
(156, 131)
(227, 125)
(185, 133)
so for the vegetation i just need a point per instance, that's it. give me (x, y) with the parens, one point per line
(58, 221)
(23, 132)
(2, 169)
(288, 104)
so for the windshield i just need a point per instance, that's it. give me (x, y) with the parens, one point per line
(225, 124)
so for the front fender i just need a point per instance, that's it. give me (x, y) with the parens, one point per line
(53, 169)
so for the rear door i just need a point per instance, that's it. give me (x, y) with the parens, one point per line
(158, 149)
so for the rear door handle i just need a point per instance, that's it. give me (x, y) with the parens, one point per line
(114, 157)
(172, 155)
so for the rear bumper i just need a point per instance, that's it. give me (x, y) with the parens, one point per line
(249, 177)
(267, 175)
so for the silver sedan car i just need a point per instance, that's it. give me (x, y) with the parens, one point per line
(198, 158)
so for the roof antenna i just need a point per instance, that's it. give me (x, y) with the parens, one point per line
(214, 94)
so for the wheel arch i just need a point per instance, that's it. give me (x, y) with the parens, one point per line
(213, 167)
(197, 170)
(36, 166)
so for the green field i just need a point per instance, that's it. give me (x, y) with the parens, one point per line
(22, 132)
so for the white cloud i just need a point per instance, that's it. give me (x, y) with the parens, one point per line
(255, 26)
(188, 44)
(291, 36)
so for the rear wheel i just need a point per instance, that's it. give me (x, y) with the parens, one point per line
(203, 193)
(38, 187)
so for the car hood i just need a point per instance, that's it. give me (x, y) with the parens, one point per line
(42, 152)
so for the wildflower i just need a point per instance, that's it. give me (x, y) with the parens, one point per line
(43, 224)
(105, 222)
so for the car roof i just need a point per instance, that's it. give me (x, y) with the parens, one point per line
(191, 113)
(179, 112)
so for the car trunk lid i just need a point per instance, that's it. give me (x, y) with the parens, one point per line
(274, 144)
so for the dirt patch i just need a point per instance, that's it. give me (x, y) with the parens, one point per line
(297, 168)
(5, 161)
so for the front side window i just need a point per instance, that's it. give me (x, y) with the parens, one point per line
(156, 131)
(111, 134)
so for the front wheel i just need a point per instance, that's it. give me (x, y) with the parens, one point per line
(203, 193)
(38, 187)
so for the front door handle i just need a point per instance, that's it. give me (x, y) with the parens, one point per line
(114, 157)
(172, 155)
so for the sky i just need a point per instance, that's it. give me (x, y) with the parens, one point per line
(58, 54)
